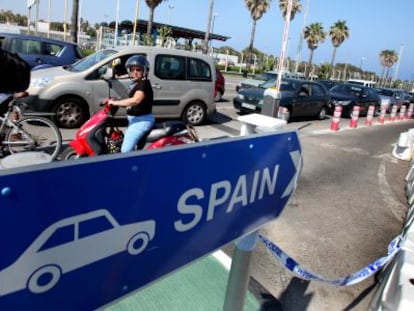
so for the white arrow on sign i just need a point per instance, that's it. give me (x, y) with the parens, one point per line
(297, 161)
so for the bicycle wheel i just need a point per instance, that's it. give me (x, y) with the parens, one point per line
(34, 134)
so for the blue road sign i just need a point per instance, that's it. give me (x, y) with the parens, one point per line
(77, 235)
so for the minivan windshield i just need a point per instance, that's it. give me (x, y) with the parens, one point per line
(91, 60)
(265, 76)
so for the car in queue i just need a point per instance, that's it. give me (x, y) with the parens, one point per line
(40, 52)
(328, 83)
(266, 76)
(302, 98)
(256, 80)
(390, 97)
(349, 95)
(183, 83)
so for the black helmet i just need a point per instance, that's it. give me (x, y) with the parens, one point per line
(138, 61)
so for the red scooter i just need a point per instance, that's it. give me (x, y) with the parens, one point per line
(99, 135)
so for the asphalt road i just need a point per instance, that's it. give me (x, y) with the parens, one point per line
(348, 206)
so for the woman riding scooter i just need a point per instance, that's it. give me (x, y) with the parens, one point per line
(138, 103)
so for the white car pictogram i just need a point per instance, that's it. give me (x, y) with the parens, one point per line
(70, 244)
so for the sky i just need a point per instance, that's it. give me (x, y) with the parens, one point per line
(374, 25)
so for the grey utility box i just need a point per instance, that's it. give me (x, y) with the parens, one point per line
(271, 101)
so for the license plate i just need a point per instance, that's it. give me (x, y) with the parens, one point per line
(249, 106)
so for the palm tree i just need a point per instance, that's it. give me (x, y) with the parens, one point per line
(338, 33)
(296, 8)
(257, 8)
(152, 4)
(313, 34)
(164, 32)
(74, 21)
(387, 58)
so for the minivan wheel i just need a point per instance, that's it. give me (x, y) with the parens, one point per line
(70, 112)
(194, 113)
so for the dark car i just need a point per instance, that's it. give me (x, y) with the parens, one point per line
(408, 98)
(220, 86)
(300, 97)
(350, 95)
(40, 52)
(328, 83)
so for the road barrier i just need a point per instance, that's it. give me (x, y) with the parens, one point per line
(370, 115)
(403, 149)
(410, 111)
(402, 112)
(351, 279)
(396, 286)
(336, 118)
(393, 113)
(355, 116)
(381, 118)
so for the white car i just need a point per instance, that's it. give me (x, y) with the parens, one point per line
(70, 244)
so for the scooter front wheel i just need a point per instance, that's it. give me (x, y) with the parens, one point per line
(69, 154)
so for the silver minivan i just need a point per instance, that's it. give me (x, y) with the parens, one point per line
(183, 84)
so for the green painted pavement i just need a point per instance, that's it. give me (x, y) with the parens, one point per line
(200, 286)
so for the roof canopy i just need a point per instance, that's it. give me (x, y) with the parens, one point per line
(177, 32)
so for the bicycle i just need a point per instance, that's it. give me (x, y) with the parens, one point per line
(20, 132)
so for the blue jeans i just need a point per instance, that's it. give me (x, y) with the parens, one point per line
(137, 127)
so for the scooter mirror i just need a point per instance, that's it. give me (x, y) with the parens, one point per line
(108, 74)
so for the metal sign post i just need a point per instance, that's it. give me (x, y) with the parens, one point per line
(241, 260)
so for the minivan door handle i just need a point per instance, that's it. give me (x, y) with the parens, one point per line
(156, 86)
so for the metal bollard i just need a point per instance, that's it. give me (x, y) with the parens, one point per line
(381, 118)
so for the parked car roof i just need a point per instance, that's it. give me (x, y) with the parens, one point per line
(41, 52)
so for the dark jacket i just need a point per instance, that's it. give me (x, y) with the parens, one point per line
(14, 73)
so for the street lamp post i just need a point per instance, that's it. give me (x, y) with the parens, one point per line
(79, 21)
(116, 24)
(301, 36)
(170, 7)
(65, 20)
(134, 32)
(362, 62)
(212, 26)
(398, 62)
(48, 18)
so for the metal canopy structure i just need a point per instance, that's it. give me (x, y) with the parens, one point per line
(177, 32)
